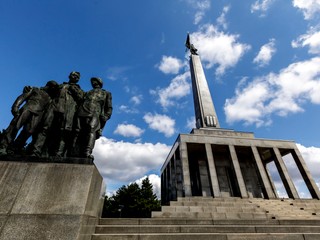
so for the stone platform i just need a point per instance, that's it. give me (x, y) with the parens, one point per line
(46, 201)
(222, 219)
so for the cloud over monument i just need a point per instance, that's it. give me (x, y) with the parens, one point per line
(128, 130)
(125, 161)
(283, 93)
(161, 123)
(178, 88)
(217, 48)
(265, 54)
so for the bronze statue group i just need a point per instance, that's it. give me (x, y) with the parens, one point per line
(62, 119)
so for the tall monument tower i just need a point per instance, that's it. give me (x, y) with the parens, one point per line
(217, 162)
(205, 112)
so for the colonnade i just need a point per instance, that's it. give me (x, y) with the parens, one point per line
(230, 164)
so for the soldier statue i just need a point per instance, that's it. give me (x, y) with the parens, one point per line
(26, 117)
(93, 113)
(58, 120)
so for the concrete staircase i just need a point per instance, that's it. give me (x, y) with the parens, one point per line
(202, 218)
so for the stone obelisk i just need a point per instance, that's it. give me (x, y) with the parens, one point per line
(205, 113)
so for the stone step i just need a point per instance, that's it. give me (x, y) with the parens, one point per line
(227, 215)
(204, 229)
(179, 221)
(210, 209)
(212, 204)
(209, 236)
(111, 229)
(203, 218)
(249, 200)
(276, 204)
(208, 199)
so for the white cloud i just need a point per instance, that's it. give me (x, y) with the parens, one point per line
(198, 17)
(218, 48)
(247, 105)
(202, 4)
(125, 162)
(221, 20)
(178, 88)
(116, 73)
(311, 155)
(155, 180)
(128, 130)
(126, 109)
(136, 99)
(201, 7)
(310, 39)
(309, 7)
(279, 94)
(191, 123)
(265, 54)
(170, 64)
(161, 123)
(261, 6)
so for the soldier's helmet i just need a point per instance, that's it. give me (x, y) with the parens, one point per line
(98, 80)
(52, 84)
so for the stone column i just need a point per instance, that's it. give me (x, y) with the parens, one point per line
(179, 176)
(305, 173)
(263, 174)
(212, 171)
(163, 187)
(284, 174)
(185, 169)
(271, 181)
(236, 166)
(169, 180)
(173, 179)
(166, 184)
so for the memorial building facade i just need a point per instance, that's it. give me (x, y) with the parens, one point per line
(218, 162)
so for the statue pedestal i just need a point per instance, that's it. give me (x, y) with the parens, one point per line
(44, 201)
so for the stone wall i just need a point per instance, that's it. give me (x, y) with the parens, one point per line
(49, 200)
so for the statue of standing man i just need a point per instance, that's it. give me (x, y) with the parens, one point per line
(59, 118)
(93, 113)
(34, 101)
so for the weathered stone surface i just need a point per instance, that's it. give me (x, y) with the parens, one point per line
(46, 201)
(53, 189)
(41, 227)
(266, 237)
(12, 176)
(3, 220)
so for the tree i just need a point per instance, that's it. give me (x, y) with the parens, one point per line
(148, 198)
(131, 201)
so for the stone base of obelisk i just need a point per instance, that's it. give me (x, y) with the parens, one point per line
(46, 201)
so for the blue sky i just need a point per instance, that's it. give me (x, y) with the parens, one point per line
(261, 59)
